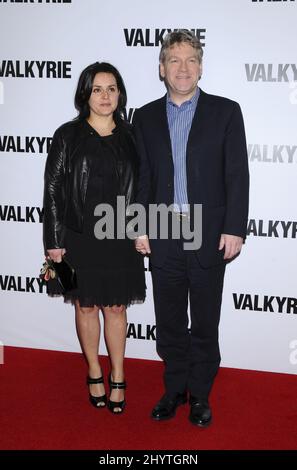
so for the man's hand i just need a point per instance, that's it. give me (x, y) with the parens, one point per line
(56, 254)
(142, 245)
(232, 245)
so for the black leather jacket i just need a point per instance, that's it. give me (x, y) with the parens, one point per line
(66, 177)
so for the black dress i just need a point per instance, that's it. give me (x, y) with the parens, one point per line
(109, 271)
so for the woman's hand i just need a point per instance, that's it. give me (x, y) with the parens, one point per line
(56, 254)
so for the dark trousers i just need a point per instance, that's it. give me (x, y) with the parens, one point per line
(192, 357)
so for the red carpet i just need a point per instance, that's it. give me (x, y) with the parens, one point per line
(44, 405)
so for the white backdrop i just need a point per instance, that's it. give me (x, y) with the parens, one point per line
(250, 56)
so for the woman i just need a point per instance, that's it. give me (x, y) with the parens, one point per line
(93, 160)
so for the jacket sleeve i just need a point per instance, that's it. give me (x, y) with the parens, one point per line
(54, 194)
(143, 192)
(144, 188)
(236, 176)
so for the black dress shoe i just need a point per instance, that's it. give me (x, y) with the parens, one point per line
(166, 407)
(200, 412)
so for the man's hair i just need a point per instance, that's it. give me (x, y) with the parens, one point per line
(178, 37)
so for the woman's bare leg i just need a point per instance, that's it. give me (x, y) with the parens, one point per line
(115, 330)
(88, 329)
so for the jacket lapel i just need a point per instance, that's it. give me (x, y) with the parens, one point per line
(200, 124)
(162, 122)
(198, 141)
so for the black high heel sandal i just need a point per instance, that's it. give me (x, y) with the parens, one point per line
(111, 405)
(98, 402)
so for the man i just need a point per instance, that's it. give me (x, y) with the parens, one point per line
(193, 151)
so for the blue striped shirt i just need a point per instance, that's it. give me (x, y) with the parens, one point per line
(179, 121)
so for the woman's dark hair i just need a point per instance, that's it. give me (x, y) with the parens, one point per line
(84, 90)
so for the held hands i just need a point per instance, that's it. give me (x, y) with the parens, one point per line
(142, 245)
(56, 254)
(232, 245)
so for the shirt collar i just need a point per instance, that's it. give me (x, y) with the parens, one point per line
(191, 102)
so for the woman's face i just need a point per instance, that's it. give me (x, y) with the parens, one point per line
(105, 95)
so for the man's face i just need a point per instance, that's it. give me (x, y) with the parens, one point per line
(181, 71)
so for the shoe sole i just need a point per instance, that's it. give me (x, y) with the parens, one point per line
(200, 425)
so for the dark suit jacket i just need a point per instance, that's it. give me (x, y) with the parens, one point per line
(217, 170)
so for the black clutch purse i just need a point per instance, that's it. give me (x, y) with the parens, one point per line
(60, 277)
